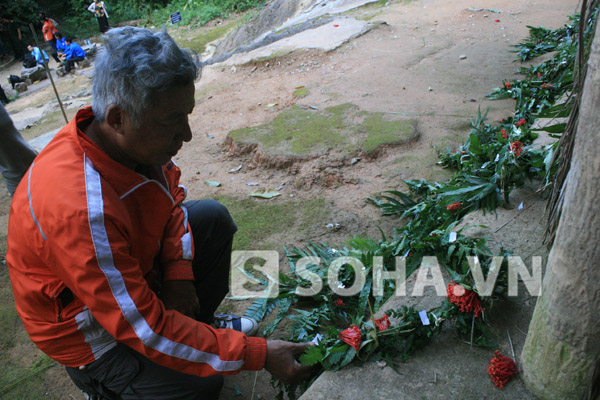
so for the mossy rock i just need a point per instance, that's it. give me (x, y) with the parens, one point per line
(307, 133)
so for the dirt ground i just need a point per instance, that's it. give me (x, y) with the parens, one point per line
(411, 67)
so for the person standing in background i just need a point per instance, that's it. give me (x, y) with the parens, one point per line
(14, 33)
(97, 7)
(48, 29)
(15, 154)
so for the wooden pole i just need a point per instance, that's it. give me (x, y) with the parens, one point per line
(37, 43)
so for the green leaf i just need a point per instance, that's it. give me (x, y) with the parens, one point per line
(265, 193)
(212, 183)
(313, 355)
(557, 111)
(556, 128)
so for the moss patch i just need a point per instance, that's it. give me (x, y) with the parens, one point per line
(261, 224)
(298, 132)
(199, 42)
(301, 92)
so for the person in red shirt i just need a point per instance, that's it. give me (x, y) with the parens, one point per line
(115, 275)
(48, 30)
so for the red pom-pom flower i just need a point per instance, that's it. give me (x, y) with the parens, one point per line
(501, 369)
(517, 148)
(352, 336)
(383, 323)
(454, 207)
(466, 300)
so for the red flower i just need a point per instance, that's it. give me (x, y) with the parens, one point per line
(546, 85)
(503, 132)
(383, 323)
(351, 336)
(335, 25)
(517, 148)
(454, 207)
(539, 75)
(340, 303)
(501, 369)
(466, 300)
(522, 121)
(496, 20)
(507, 85)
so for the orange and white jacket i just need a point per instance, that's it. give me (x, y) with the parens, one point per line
(82, 221)
(48, 30)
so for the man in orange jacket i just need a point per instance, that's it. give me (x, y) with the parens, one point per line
(48, 29)
(114, 275)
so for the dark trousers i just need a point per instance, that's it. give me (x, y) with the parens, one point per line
(53, 51)
(103, 24)
(122, 373)
(70, 62)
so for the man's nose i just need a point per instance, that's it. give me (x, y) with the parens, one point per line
(186, 132)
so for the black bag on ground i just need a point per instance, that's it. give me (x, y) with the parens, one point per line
(29, 61)
(14, 79)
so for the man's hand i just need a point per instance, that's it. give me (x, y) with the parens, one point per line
(281, 361)
(180, 296)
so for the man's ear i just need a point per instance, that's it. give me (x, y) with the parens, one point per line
(115, 118)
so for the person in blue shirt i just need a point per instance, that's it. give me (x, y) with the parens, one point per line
(37, 53)
(61, 45)
(72, 53)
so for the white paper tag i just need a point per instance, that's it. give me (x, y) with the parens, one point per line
(317, 339)
(452, 237)
(520, 206)
(424, 317)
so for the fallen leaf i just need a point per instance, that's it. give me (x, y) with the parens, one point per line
(212, 183)
(265, 194)
(236, 169)
(299, 87)
(270, 105)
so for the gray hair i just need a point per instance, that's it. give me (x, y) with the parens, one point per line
(136, 64)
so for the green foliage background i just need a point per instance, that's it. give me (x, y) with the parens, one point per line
(75, 20)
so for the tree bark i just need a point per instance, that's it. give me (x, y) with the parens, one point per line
(561, 356)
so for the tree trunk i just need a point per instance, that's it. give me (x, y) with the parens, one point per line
(561, 356)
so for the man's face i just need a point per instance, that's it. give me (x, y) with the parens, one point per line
(30, 48)
(162, 130)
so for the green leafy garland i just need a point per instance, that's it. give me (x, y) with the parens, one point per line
(494, 160)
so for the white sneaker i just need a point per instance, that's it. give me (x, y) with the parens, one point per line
(235, 322)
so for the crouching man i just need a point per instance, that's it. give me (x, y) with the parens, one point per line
(113, 274)
(72, 53)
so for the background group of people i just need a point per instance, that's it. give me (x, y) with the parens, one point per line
(12, 34)
(64, 49)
